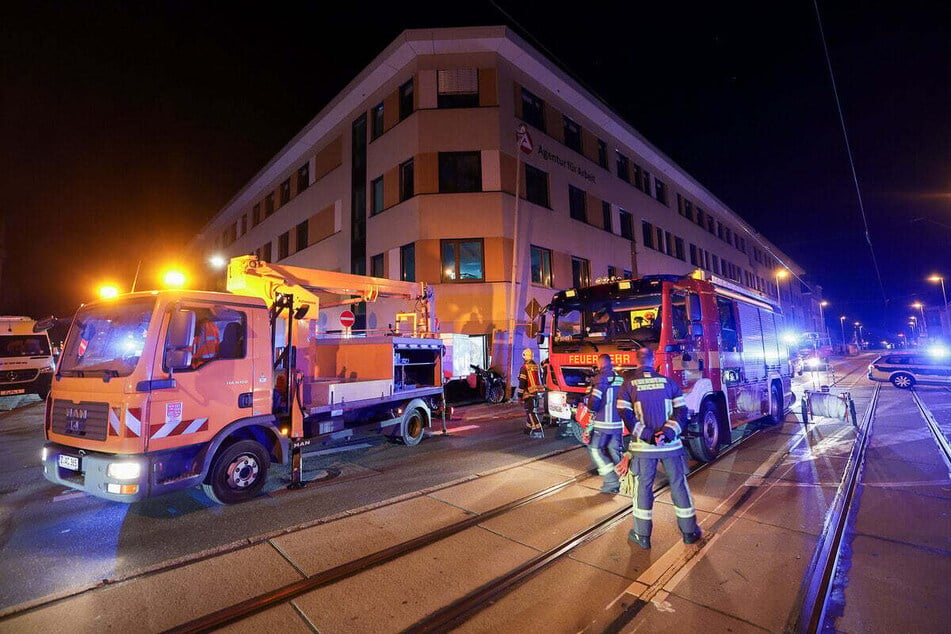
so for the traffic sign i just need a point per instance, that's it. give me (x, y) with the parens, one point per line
(347, 319)
(524, 139)
(533, 309)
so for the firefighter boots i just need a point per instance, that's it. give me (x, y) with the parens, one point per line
(644, 541)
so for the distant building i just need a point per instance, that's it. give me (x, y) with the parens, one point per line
(411, 172)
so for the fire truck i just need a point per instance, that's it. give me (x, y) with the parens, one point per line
(164, 390)
(720, 341)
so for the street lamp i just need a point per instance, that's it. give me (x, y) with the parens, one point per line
(858, 333)
(822, 320)
(780, 274)
(944, 295)
(842, 326)
(924, 322)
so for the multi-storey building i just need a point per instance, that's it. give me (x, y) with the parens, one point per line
(411, 173)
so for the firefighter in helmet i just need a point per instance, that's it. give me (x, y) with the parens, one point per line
(654, 410)
(529, 386)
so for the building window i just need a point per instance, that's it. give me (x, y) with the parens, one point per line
(286, 192)
(580, 272)
(457, 88)
(533, 110)
(645, 182)
(623, 168)
(256, 215)
(269, 205)
(701, 217)
(711, 224)
(407, 183)
(244, 224)
(602, 154)
(376, 196)
(266, 252)
(660, 191)
(541, 266)
(303, 177)
(606, 216)
(283, 245)
(647, 234)
(536, 186)
(376, 121)
(693, 255)
(679, 249)
(462, 261)
(376, 266)
(576, 203)
(669, 243)
(612, 272)
(716, 265)
(460, 172)
(572, 135)
(627, 224)
(408, 262)
(406, 99)
(302, 236)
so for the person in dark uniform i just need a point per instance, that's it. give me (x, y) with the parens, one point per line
(654, 410)
(606, 429)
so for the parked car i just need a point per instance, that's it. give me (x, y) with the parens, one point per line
(905, 369)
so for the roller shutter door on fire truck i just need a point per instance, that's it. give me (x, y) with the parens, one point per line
(751, 331)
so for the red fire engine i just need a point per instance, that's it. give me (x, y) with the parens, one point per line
(720, 341)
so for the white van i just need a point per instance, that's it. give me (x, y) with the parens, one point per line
(26, 360)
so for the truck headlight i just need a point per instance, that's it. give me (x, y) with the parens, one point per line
(124, 470)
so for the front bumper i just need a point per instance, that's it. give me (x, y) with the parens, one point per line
(88, 471)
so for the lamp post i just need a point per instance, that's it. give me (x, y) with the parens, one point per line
(780, 274)
(924, 322)
(858, 334)
(944, 295)
(842, 326)
(822, 320)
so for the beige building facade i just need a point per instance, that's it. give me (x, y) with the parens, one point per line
(411, 172)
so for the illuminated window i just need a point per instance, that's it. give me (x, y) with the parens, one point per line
(541, 266)
(462, 261)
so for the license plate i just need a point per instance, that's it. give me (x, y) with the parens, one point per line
(69, 462)
(10, 392)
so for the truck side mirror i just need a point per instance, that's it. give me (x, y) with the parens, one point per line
(178, 341)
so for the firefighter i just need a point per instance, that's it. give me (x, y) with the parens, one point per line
(654, 410)
(529, 386)
(606, 427)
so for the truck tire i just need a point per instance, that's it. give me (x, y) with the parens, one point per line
(238, 473)
(777, 409)
(413, 426)
(704, 443)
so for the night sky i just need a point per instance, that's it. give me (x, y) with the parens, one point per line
(127, 125)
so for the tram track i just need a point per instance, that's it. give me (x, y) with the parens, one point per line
(465, 607)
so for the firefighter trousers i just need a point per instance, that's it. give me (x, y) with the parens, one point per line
(606, 449)
(644, 469)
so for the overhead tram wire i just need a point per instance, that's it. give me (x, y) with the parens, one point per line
(848, 149)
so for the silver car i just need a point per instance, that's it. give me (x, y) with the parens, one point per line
(905, 369)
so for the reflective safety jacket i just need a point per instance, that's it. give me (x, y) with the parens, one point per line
(648, 403)
(602, 402)
(530, 380)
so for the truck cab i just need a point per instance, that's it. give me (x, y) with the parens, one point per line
(26, 359)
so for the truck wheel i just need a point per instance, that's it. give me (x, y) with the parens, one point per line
(777, 410)
(238, 473)
(576, 431)
(412, 427)
(705, 444)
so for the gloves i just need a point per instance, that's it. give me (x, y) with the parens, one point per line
(647, 436)
(622, 467)
(586, 437)
(665, 435)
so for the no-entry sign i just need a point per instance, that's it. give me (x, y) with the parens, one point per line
(347, 319)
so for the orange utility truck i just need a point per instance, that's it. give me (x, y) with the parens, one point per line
(163, 390)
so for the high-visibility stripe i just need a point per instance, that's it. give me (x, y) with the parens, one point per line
(622, 404)
(179, 428)
(114, 423)
(133, 422)
(680, 401)
(684, 513)
(643, 514)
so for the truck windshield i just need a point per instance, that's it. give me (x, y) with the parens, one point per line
(24, 345)
(625, 322)
(107, 339)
